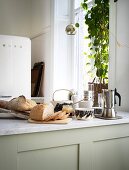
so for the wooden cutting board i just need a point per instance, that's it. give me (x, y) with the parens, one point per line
(64, 121)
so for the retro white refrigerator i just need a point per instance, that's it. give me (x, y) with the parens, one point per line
(15, 66)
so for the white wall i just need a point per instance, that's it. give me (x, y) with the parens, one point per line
(122, 53)
(15, 16)
(41, 41)
(119, 51)
(41, 52)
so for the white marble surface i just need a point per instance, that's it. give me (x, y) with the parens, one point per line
(16, 126)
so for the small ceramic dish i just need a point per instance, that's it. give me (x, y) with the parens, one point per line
(84, 113)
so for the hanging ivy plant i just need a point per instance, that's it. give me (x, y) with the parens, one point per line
(97, 20)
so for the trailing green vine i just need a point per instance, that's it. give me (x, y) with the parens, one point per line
(97, 19)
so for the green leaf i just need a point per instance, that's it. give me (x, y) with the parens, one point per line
(99, 72)
(89, 45)
(77, 25)
(85, 53)
(86, 37)
(89, 72)
(90, 56)
(87, 64)
(84, 6)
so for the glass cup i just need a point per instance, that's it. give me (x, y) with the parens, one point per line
(100, 99)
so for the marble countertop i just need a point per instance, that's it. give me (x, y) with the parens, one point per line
(16, 126)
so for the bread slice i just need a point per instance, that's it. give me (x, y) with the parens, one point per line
(65, 116)
(48, 111)
(51, 117)
(59, 115)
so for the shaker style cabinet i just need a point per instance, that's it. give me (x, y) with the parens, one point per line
(93, 148)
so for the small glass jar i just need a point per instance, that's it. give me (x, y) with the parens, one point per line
(74, 98)
(99, 99)
(87, 100)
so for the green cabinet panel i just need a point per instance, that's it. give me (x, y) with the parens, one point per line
(8, 153)
(59, 158)
(111, 154)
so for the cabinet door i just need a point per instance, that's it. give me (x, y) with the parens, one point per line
(112, 154)
(57, 158)
(8, 153)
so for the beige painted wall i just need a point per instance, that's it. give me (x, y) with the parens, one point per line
(24, 17)
(15, 17)
(40, 16)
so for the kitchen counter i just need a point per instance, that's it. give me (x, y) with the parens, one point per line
(17, 126)
(95, 144)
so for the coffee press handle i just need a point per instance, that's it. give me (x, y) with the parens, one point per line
(119, 96)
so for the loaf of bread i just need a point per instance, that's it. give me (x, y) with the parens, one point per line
(20, 104)
(42, 111)
(3, 104)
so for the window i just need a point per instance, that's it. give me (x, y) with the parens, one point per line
(81, 77)
(91, 53)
